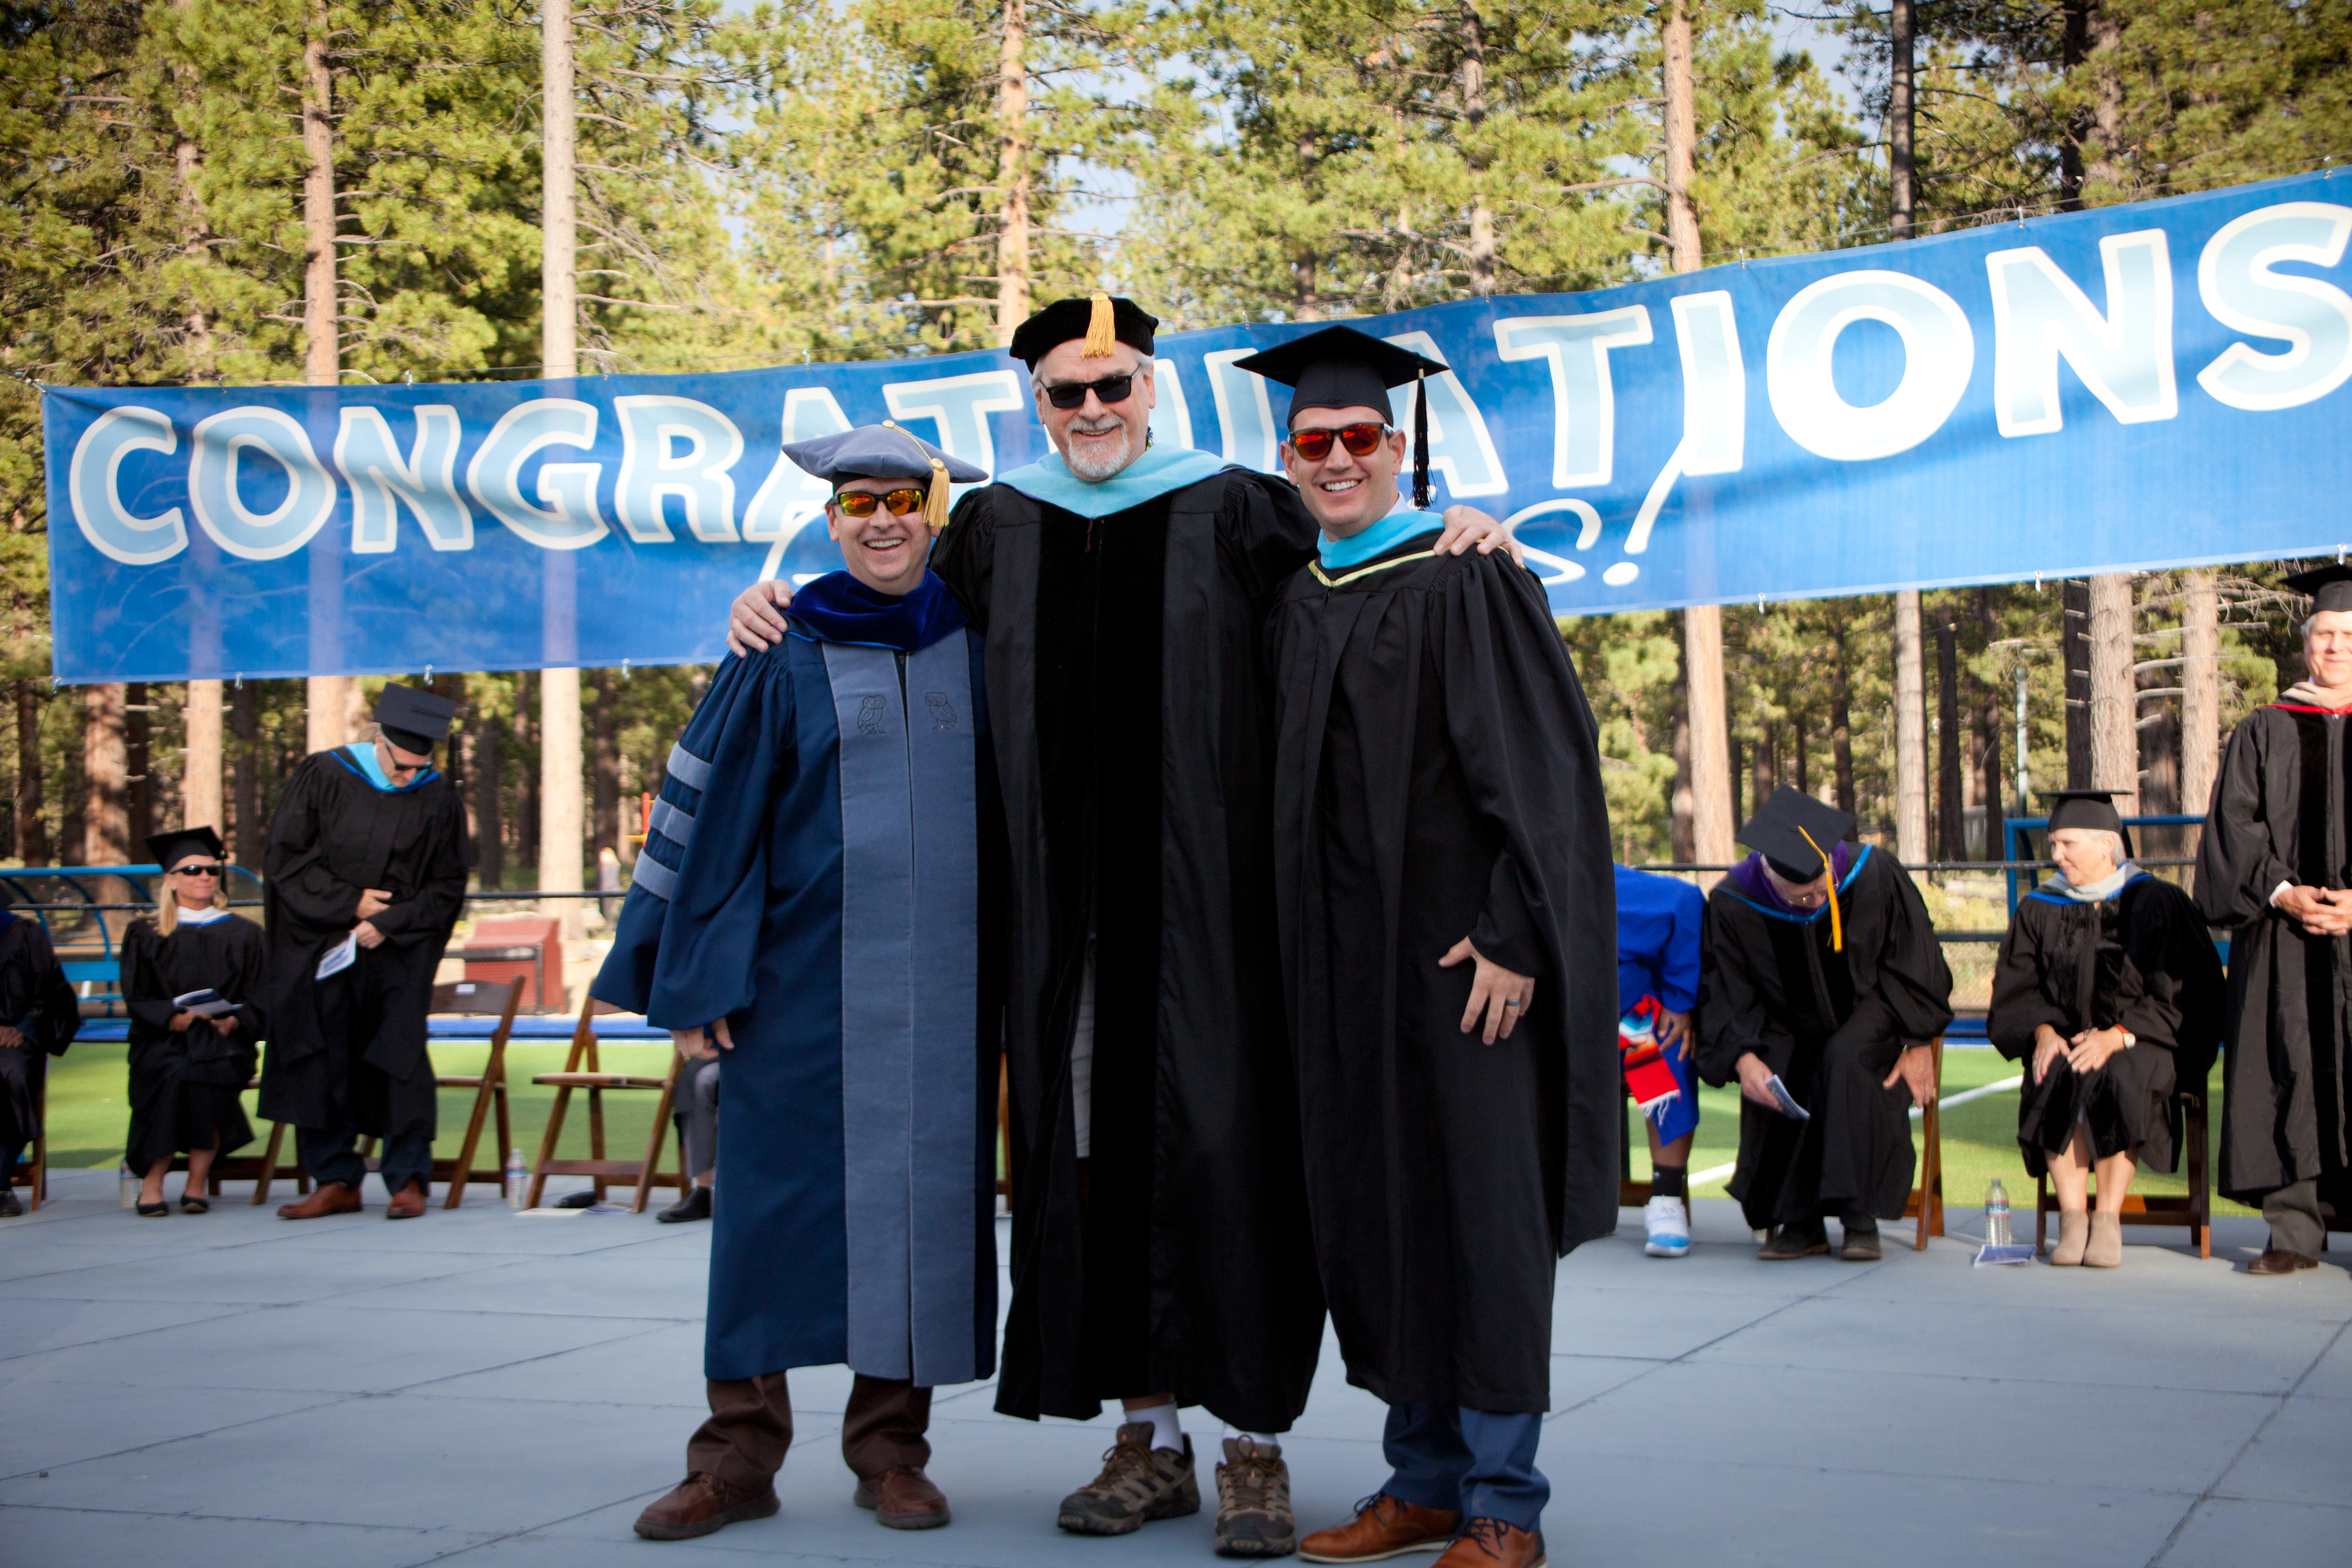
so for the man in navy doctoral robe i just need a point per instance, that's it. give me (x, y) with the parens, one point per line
(808, 901)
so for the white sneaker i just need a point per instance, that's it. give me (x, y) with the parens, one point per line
(1668, 1224)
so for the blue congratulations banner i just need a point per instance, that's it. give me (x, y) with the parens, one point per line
(2140, 386)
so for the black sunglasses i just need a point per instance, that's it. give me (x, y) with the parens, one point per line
(861, 503)
(1110, 389)
(196, 870)
(1361, 440)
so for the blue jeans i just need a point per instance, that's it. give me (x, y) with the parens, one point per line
(1481, 1464)
(331, 1156)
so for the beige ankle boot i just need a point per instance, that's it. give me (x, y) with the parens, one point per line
(2107, 1249)
(2074, 1236)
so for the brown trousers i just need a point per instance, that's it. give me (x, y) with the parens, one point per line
(751, 1428)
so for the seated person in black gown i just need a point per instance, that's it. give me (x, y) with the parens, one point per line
(37, 1020)
(189, 1063)
(2109, 983)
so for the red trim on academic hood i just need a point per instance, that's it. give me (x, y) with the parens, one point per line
(2307, 708)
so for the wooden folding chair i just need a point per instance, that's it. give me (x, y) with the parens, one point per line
(480, 998)
(2195, 1211)
(34, 1171)
(1925, 1203)
(581, 1071)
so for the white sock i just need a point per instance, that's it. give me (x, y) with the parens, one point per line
(1166, 1431)
(1265, 1444)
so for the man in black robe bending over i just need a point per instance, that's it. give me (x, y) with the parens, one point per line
(1822, 989)
(1159, 1244)
(1449, 916)
(366, 861)
(2275, 869)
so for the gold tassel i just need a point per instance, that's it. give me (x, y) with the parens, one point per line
(1102, 329)
(935, 498)
(1829, 869)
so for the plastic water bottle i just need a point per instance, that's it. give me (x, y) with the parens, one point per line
(126, 1185)
(517, 1179)
(1997, 1215)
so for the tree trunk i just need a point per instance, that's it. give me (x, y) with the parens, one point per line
(1902, 193)
(1474, 159)
(562, 838)
(1013, 172)
(1682, 139)
(244, 716)
(200, 787)
(105, 767)
(1990, 719)
(2115, 740)
(1841, 718)
(1951, 827)
(32, 826)
(489, 823)
(2075, 655)
(531, 769)
(137, 771)
(1910, 733)
(1740, 807)
(608, 763)
(1797, 744)
(1683, 804)
(2073, 44)
(329, 695)
(187, 164)
(2103, 152)
(2200, 698)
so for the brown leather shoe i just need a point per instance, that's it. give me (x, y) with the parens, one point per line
(700, 1504)
(1491, 1543)
(1383, 1527)
(2278, 1260)
(326, 1198)
(903, 1498)
(406, 1204)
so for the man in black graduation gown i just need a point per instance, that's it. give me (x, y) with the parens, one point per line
(1822, 989)
(2274, 868)
(1445, 898)
(39, 1017)
(1160, 1246)
(366, 866)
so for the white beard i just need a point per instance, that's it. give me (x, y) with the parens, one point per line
(1100, 465)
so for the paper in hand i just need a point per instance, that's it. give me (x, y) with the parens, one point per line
(204, 1004)
(1785, 1101)
(339, 957)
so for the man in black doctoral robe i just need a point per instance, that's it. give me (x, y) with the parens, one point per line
(2274, 868)
(1821, 991)
(366, 866)
(1159, 1244)
(39, 1017)
(1445, 898)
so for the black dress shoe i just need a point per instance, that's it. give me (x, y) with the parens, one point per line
(194, 1205)
(1789, 1241)
(9, 1207)
(2278, 1260)
(696, 1205)
(1860, 1243)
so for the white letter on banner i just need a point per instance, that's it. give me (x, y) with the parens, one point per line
(1459, 445)
(1583, 402)
(791, 497)
(564, 516)
(1171, 421)
(219, 444)
(1938, 350)
(2040, 315)
(1244, 416)
(2234, 277)
(960, 407)
(93, 482)
(381, 479)
(1714, 385)
(651, 470)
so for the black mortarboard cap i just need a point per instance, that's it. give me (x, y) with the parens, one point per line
(414, 719)
(182, 842)
(2330, 588)
(1339, 367)
(2092, 809)
(1100, 319)
(1793, 831)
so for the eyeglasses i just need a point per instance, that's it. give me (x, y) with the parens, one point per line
(1361, 440)
(1110, 389)
(861, 503)
(197, 870)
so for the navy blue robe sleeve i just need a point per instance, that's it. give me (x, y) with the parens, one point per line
(687, 950)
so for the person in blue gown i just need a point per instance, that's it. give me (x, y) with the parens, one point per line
(1659, 921)
(809, 903)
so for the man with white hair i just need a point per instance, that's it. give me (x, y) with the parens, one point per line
(2273, 869)
(1160, 1254)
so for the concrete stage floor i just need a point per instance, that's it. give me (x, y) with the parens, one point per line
(497, 1391)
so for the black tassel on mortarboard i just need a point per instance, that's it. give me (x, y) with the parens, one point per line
(1421, 442)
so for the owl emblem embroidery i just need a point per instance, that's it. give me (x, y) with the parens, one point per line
(943, 714)
(869, 716)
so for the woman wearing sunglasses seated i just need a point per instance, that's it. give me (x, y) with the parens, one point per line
(192, 977)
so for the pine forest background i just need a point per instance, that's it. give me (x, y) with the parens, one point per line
(865, 178)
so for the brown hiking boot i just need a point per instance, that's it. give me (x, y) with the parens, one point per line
(1253, 1516)
(1383, 1527)
(700, 1504)
(1139, 1483)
